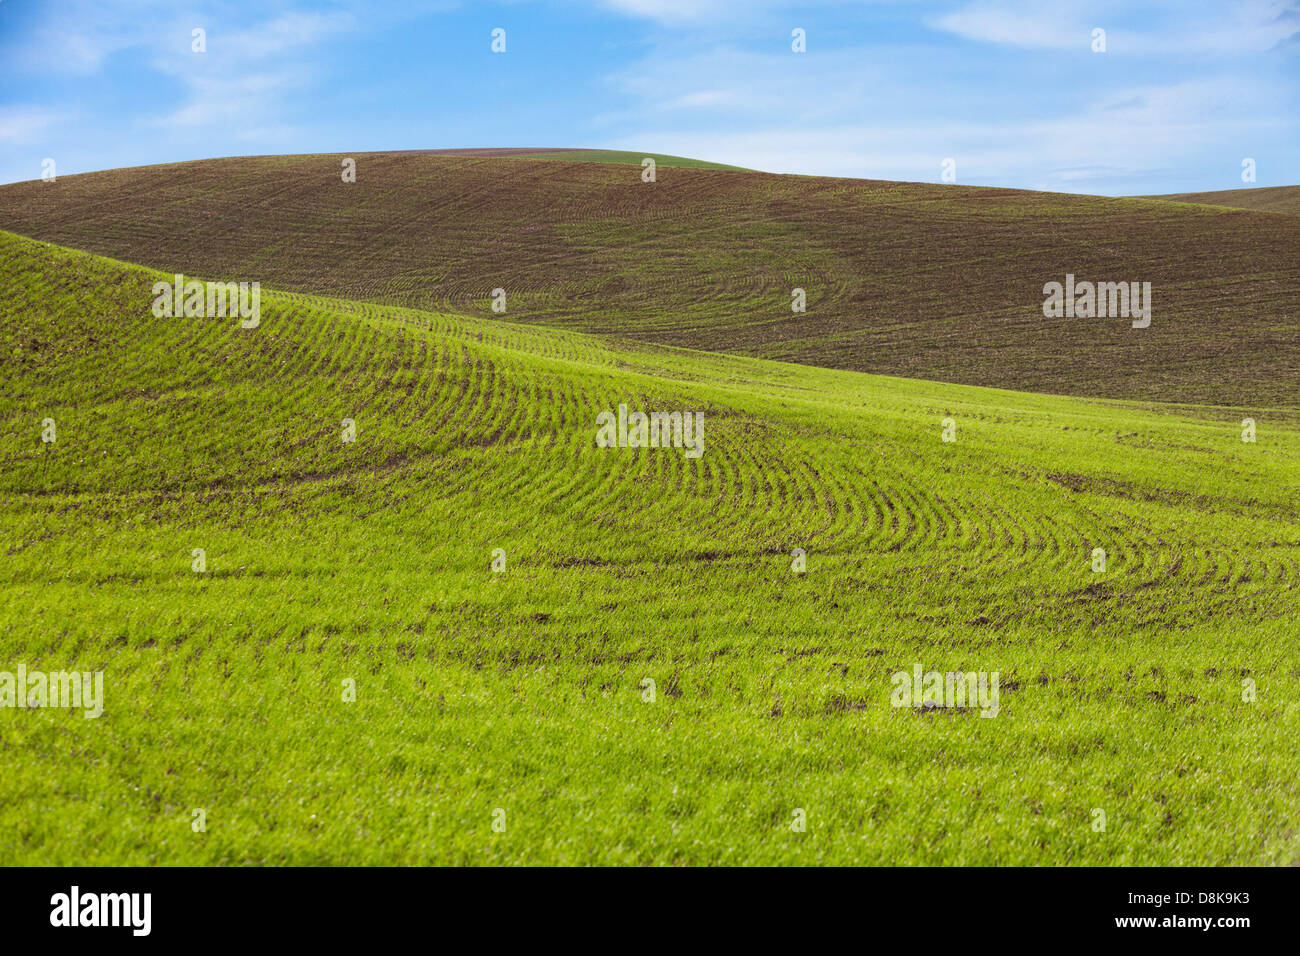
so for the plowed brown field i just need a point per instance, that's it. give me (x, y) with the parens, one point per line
(1281, 199)
(940, 282)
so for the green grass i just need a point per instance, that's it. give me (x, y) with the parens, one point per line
(521, 690)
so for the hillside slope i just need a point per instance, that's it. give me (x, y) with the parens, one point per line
(1282, 199)
(525, 691)
(578, 155)
(924, 281)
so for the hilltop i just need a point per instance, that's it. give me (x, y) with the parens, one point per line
(937, 282)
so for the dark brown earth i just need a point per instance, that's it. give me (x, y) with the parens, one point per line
(940, 282)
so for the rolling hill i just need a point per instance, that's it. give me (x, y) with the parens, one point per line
(1279, 199)
(940, 282)
(578, 155)
(473, 636)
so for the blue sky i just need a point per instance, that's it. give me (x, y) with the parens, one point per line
(1009, 89)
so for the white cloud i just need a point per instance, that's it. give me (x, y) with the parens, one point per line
(687, 13)
(285, 34)
(20, 125)
(1185, 27)
(836, 115)
(1016, 24)
(703, 98)
(78, 37)
(217, 99)
(233, 80)
(751, 86)
(678, 11)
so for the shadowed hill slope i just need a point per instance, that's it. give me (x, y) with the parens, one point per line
(924, 281)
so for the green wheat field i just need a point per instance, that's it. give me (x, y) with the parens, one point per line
(472, 636)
